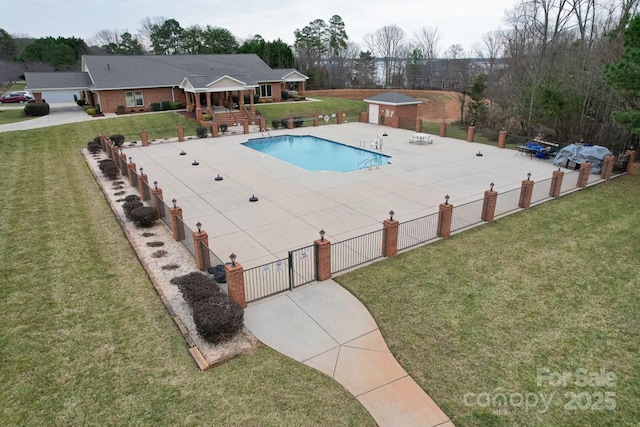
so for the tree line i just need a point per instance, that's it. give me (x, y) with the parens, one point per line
(543, 73)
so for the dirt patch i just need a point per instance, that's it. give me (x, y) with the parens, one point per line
(436, 104)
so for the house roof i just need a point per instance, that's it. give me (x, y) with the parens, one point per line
(392, 98)
(57, 81)
(146, 71)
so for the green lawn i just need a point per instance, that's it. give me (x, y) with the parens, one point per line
(556, 287)
(12, 115)
(327, 106)
(84, 338)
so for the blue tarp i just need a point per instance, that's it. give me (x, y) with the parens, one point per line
(579, 154)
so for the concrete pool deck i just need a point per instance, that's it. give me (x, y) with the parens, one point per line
(294, 204)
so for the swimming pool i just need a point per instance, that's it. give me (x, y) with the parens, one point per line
(317, 154)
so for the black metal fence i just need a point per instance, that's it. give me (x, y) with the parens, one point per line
(134, 181)
(507, 201)
(355, 251)
(187, 237)
(541, 191)
(466, 215)
(417, 231)
(267, 279)
(207, 253)
(146, 191)
(123, 166)
(569, 181)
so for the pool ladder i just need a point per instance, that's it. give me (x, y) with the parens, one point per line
(370, 163)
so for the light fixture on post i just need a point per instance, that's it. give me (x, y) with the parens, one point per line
(174, 201)
(391, 214)
(446, 199)
(130, 159)
(491, 186)
(529, 176)
(233, 257)
(141, 171)
(199, 225)
(155, 184)
(322, 233)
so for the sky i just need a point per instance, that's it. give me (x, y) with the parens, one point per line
(458, 21)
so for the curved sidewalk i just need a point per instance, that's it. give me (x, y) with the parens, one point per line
(324, 326)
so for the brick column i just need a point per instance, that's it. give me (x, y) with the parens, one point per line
(180, 133)
(176, 227)
(631, 155)
(363, 117)
(245, 126)
(418, 124)
(144, 138)
(103, 142)
(470, 133)
(489, 205)
(215, 130)
(132, 171)
(339, 117)
(525, 194)
(315, 118)
(556, 183)
(444, 220)
(235, 283)
(607, 167)
(156, 197)
(143, 179)
(443, 129)
(502, 138)
(290, 122)
(583, 175)
(390, 238)
(203, 260)
(323, 259)
(263, 124)
(122, 160)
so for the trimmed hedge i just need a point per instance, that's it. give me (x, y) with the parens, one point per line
(37, 109)
(117, 139)
(165, 105)
(217, 318)
(132, 198)
(111, 171)
(91, 111)
(94, 147)
(102, 164)
(128, 207)
(176, 105)
(276, 124)
(144, 216)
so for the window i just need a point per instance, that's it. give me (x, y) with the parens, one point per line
(134, 99)
(265, 91)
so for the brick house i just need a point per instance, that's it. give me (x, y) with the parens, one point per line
(198, 82)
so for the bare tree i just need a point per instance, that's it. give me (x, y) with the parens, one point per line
(147, 26)
(104, 37)
(388, 43)
(490, 50)
(427, 41)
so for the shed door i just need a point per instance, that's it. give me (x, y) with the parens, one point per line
(374, 110)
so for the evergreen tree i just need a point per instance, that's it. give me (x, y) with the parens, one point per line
(7, 46)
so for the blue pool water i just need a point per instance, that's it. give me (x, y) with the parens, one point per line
(317, 154)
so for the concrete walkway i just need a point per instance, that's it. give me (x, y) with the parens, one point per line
(59, 114)
(324, 326)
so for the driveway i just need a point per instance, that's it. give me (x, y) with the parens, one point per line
(59, 114)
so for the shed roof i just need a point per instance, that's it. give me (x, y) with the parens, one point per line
(392, 98)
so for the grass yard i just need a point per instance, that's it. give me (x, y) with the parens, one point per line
(306, 109)
(473, 317)
(85, 340)
(12, 115)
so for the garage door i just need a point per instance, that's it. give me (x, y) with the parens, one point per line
(374, 110)
(59, 96)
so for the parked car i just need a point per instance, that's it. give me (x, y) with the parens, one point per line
(26, 93)
(13, 97)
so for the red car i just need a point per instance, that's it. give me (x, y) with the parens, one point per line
(14, 97)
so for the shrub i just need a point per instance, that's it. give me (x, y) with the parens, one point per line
(202, 132)
(91, 111)
(102, 164)
(145, 216)
(87, 106)
(155, 106)
(127, 207)
(81, 102)
(94, 147)
(298, 122)
(284, 123)
(196, 286)
(266, 100)
(132, 198)
(121, 109)
(37, 109)
(165, 105)
(111, 171)
(284, 95)
(117, 139)
(275, 124)
(218, 318)
(96, 139)
(223, 127)
(176, 105)
(206, 117)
